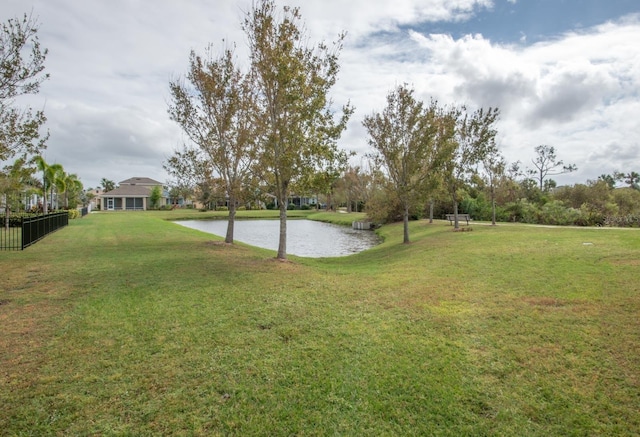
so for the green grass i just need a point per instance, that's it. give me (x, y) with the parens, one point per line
(127, 324)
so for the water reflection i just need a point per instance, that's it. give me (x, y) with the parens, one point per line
(306, 238)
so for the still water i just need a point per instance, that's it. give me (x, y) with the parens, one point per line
(306, 238)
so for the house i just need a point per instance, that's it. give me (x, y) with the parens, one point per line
(93, 198)
(132, 195)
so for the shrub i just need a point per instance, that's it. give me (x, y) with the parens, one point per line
(74, 214)
(623, 221)
(555, 213)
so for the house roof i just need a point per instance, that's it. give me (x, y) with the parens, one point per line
(129, 191)
(140, 181)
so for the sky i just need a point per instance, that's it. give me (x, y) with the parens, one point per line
(564, 73)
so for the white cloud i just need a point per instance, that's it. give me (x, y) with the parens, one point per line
(111, 62)
(567, 92)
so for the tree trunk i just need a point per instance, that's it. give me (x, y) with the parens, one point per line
(6, 210)
(431, 211)
(406, 223)
(44, 197)
(456, 225)
(232, 220)
(493, 206)
(282, 245)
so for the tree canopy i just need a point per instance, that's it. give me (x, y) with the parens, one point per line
(405, 139)
(21, 72)
(293, 81)
(217, 111)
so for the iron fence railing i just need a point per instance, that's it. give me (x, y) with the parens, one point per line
(23, 231)
(10, 236)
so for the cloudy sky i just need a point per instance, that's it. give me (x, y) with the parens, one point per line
(563, 72)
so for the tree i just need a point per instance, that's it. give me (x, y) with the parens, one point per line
(57, 177)
(73, 189)
(177, 192)
(216, 110)
(632, 179)
(155, 196)
(107, 185)
(21, 66)
(546, 164)
(472, 139)
(494, 166)
(293, 82)
(12, 181)
(610, 180)
(325, 177)
(191, 170)
(404, 136)
(353, 187)
(42, 165)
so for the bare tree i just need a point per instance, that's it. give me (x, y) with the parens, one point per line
(547, 164)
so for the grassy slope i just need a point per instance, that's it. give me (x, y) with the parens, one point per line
(128, 324)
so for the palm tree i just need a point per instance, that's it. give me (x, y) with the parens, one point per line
(73, 186)
(107, 185)
(56, 176)
(44, 168)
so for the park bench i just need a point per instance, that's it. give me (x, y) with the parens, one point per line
(461, 217)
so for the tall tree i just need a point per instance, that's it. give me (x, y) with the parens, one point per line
(494, 167)
(216, 110)
(42, 166)
(404, 137)
(56, 177)
(293, 81)
(21, 66)
(547, 164)
(473, 137)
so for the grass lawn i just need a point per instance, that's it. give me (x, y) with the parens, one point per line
(128, 324)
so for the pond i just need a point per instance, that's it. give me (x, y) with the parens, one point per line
(306, 238)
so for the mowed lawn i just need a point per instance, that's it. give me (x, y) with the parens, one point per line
(128, 324)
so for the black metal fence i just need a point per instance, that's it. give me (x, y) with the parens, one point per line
(24, 231)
